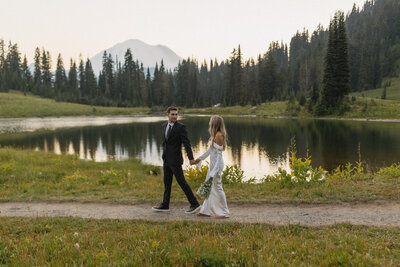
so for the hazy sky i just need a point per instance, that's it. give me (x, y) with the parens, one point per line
(203, 29)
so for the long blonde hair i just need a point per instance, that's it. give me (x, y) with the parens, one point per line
(217, 125)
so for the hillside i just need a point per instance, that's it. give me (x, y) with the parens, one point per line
(15, 105)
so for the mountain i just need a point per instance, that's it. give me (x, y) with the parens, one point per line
(145, 53)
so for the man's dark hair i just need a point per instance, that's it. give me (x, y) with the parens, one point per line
(171, 108)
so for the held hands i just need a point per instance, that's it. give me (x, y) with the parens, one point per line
(194, 161)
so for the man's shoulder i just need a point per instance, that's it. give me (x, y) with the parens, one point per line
(179, 124)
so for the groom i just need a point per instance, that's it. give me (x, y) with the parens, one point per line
(174, 135)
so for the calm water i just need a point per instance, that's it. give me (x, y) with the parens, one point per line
(258, 145)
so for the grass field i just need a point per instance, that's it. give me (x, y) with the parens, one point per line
(33, 175)
(15, 105)
(73, 241)
(392, 91)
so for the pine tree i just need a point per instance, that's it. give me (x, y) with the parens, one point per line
(13, 68)
(129, 77)
(91, 83)
(108, 76)
(268, 79)
(149, 89)
(2, 65)
(26, 76)
(82, 80)
(141, 85)
(37, 74)
(60, 83)
(336, 74)
(46, 74)
(73, 90)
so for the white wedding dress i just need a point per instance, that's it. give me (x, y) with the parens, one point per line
(215, 204)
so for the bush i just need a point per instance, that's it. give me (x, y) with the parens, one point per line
(393, 171)
(193, 173)
(347, 171)
(301, 171)
(153, 170)
(232, 175)
(111, 177)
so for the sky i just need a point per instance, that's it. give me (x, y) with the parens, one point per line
(202, 29)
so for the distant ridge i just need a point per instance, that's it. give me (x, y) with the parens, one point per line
(149, 55)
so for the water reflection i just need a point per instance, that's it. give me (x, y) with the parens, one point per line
(258, 145)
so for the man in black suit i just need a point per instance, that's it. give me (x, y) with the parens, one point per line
(174, 135)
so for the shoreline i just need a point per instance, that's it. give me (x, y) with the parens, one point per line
(137, 115)
(297, 118)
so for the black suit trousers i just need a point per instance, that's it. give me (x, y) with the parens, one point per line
(169, 171)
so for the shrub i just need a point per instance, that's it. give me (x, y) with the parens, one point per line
(232, 175)
(193, 173)
(393, 170)
(153, 170)
(301, 171)
(111, 177)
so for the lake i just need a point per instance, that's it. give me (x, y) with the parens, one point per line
(258, 145)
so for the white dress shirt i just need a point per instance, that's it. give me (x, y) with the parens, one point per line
(166, 128)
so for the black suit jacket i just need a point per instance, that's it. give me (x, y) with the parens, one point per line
(172, 145)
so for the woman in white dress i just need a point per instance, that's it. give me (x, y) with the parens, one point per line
(215, 204)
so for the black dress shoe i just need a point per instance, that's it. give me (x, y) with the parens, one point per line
(160, 208)
(193, 209)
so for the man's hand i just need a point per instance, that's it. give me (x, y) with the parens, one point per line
(192, 162)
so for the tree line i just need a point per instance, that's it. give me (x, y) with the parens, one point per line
(355, 53)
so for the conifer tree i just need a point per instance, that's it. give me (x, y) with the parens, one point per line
(13, 68)
(336, 74)
(46, 74)
(60, 83)
(129, 77)
(82, 79)
(72, 89)
(91, 83)
(37, 74)
(26, 76)
(149, 89)
(2, 65)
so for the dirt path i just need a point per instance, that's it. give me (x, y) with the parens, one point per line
(372, 213)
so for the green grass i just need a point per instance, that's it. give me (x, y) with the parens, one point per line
(369, 108)
(362, 107)
(392, 91)
(15, 105)
(265, 109)
(33, 175)
(74, 241)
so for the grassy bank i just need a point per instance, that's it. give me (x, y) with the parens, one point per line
(71, 241)
(15, 105)
(32, 175)
(361, 107)
(392, 91)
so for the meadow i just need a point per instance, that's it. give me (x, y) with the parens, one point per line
(74, 241)
(15, 105)
(34, 175)
(360, 105)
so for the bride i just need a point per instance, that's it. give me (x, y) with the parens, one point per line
(215, 202)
